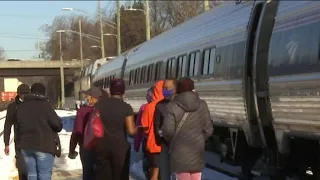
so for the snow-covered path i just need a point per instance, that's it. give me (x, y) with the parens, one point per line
(71, 169)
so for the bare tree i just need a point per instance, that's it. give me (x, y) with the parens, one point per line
(2, 54)
(163, 16)
(158, 17)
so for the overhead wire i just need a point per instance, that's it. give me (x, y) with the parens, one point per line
(20, 37)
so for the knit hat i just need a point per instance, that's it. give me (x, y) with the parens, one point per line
(23, 89)
(185, 84)
(117, 87)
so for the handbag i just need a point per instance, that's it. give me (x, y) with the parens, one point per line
(94, 131)
(178, 129)
(58, 145)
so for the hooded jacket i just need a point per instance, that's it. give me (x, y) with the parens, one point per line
(188, 146)
(82, 117)
(147, 119)
(138, 138)
(11, 120)
(38, 124)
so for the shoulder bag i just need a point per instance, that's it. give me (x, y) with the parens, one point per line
(94, 130)
(178, 129)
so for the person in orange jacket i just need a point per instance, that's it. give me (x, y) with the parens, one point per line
(147, 120)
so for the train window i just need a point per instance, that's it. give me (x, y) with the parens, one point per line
(191, 64)
(157, 71)
(173, 67)
(184, 66)
(181, 66)
(168, 69)
(139, 76)
(145, 76)
(194, 59)
(135, 76)
(196, 63)
(104, 83)
(142, 74)
(212, 60)
(109, 79)
(149, 75)
(132, 78)
(205, 64)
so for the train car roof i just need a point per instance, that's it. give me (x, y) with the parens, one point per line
(190, 32)
(109, 67)
(112, 65)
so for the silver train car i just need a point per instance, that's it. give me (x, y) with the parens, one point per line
(257, 65)
(82, 80)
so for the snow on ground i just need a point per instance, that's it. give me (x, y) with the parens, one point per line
(7, 163)
(64, 163)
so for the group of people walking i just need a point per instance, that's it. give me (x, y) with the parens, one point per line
(171, 127)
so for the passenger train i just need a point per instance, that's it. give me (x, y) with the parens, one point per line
(257, 65)
(82, 80)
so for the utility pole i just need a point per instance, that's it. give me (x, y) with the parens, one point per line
(61, 73)
(38, 44)
(147, 20)
(101, 30)
(118, 28)
(206, 5)
(81, 52)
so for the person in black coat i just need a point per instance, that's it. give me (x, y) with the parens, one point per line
(38, 127)
(169, 91)
(11, 120)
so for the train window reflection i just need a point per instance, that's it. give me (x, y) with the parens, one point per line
(212, 59)
(196, 64)
(191, 64)
(179, 67)
(157, 73)
(130, 76)
(143, 74)
(206, 59)
(184, 66)
(173, 67)
(168, 67)
(135, 76)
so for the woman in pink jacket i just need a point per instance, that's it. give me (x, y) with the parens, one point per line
(140, 138)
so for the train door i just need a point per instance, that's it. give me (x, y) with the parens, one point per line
(259, 87)
(254, 139)
(259, 33)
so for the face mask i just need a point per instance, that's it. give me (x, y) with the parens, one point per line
(86, 102)
(167, 93)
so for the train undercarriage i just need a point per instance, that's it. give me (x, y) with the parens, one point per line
(302, 162)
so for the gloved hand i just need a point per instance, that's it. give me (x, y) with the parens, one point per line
(73, 155)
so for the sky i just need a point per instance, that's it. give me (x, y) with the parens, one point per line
(20, 21)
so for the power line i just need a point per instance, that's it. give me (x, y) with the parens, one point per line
(19, 34)
(23, 16)
(19, 50)
(20, 37)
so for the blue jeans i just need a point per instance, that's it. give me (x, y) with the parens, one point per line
(39, 164)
